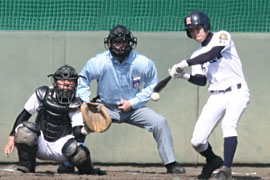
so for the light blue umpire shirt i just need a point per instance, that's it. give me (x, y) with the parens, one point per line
(119, 81)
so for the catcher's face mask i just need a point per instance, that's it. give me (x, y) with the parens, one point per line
(64, 81)
(65, 91)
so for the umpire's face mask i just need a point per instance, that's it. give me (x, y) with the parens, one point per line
(120, 49)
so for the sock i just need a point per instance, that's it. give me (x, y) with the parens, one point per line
(67, 163)
(230, 144)
(208, 154)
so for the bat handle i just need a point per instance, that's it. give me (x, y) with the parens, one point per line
(179, 70)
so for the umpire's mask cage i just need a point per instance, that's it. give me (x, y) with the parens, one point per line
(118, 34)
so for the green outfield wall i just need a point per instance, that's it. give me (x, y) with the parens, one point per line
(27, 57)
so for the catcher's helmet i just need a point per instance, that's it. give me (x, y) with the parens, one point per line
(197, 18)
(65, 72)
(118, 34)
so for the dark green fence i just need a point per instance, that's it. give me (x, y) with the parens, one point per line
(138, 15)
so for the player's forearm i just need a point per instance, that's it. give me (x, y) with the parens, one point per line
(84, 84)
(198, 79)
(23, 116)
(143, 97)
(137, 102)
(206, 57)
(83, 91)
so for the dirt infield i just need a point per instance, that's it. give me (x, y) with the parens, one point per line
(127, 172)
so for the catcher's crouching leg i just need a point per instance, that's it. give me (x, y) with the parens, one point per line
(79, 156)
(67, 167)
(26, 142)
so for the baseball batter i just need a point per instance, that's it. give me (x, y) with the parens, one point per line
(217, 61)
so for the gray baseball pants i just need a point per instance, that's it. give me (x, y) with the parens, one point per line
(147, 118)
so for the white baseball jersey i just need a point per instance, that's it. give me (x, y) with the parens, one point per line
(224, 71)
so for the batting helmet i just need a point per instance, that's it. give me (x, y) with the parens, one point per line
(197, 18)
(65, 72)
(118, 34)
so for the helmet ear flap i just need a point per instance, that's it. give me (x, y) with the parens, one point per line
(106, 43)
(188, 33)
(53, 81)
(134, 42)
(207, 27)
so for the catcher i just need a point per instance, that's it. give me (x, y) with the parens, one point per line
(120, 72)
(56, 133)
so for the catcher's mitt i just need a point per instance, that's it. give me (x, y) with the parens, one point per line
(95, 117)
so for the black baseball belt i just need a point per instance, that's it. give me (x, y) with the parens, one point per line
(238, 86)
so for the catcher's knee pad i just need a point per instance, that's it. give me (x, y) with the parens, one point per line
(27, 134)
(81, 157)
(70, 147)
(74, 152)
(26, 140)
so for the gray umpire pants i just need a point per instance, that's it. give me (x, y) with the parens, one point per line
(147, 118)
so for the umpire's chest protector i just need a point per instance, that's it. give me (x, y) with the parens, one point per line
(53, 117)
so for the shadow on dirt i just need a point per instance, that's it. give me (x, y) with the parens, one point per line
(246, 177)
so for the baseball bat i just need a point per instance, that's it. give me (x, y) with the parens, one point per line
(163, 83)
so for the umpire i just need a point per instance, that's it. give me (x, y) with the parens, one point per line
(120, 73)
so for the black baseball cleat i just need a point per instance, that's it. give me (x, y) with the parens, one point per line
(93, 171)
(175, 168)
(25, 169)
(66, 169)
(209, 167)
(224, 173)
(98, 172)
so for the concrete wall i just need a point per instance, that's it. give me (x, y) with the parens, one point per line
(28, 57)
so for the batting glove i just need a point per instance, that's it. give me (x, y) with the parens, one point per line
(182, 65)
(179, 74)
(177, 68)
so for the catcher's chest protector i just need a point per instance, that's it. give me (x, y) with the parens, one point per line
(53, 118)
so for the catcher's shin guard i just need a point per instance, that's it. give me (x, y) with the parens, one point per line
(27, 158)
(84, 163)
(78, 156)
(26, 142)
(82, 160)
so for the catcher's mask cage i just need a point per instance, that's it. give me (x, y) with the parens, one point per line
(65, 72)
(197, 18)
(119, 34)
